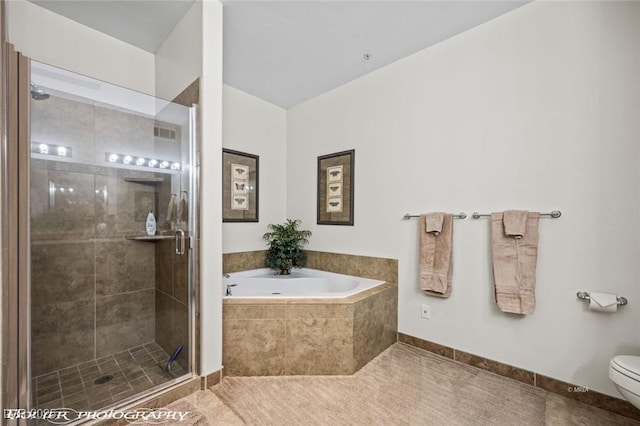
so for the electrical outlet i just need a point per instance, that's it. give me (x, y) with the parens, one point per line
(425, 313)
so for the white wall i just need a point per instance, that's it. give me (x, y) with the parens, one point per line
(192, 50)
(179, 59)
(535, 110)
(257, 127)
(55, 40)
(210, 184)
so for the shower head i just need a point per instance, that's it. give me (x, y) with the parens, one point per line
(38, 92)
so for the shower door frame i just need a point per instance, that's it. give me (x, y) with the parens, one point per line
(194, 238)
(16, 253)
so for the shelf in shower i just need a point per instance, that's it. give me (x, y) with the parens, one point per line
(145, 181)
(149, 238)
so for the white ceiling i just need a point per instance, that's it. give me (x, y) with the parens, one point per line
(142, 23)
(287, 52)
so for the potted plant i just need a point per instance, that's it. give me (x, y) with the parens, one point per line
(285, 243)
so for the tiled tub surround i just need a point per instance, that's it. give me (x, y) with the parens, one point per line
(308, 336)
(358, 266)
(243, 261)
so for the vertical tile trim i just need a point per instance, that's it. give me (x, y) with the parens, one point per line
(286, 341)
(95, 295)
(213, 379)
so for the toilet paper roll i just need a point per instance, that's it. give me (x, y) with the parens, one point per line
(603, 302)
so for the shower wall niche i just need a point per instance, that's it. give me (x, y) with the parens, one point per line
(104, 300)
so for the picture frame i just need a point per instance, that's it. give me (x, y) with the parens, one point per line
(336, 188)
(240, 186)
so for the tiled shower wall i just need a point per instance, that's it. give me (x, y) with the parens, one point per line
(172, 301)
(93, 291)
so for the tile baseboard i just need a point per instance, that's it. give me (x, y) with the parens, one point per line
(210, 380)
(568, 390)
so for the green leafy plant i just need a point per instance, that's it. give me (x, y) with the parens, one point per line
(285, 243)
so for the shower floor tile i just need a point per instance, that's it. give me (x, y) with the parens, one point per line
(132, 371)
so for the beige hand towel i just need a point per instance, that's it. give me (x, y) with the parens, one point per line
(434, 222)
(515, 223)
(514, 265)
(436, 263)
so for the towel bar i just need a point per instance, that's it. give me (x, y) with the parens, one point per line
(461, 215)
(583, 295)
(554, 214)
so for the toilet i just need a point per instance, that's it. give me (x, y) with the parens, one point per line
(624, 371)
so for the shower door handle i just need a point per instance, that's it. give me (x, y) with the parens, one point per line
(180, 242)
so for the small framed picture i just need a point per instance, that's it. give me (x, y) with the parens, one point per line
(239, 186)
(335, 188)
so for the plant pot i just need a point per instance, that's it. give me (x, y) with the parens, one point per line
(285, 271)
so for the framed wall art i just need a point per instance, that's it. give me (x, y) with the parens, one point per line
(335, 188)
(239, 186)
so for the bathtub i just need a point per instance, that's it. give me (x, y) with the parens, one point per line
(308, 323)
(303, 283)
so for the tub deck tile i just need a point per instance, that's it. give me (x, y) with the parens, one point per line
(254, 311)
(254, 347)
(319, 346)
(322, 310)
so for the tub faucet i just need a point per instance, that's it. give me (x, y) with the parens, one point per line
(226, 275)
(229, 289)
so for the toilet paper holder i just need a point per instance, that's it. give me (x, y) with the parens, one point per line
(583, 295)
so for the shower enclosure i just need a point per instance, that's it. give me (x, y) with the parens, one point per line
(111, 307)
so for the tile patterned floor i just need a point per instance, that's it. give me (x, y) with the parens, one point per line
(133, 371)
(403, 385)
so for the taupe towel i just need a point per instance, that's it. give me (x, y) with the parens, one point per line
(436, 263)
(434, 222)
(515, 223)
(514, 265)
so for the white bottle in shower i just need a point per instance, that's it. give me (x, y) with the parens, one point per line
(151, 224)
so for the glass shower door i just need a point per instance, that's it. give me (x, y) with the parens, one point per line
(111, 305)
